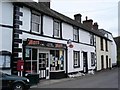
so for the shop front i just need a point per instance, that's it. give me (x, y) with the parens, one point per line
(47, 59)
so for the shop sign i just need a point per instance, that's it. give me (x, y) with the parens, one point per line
(33, 42)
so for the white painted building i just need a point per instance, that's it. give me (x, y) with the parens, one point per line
(51, 44)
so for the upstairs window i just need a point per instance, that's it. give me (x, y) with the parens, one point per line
(91, 39)
(75, 34)
(106, 45)
(101, 43)
(56, 28)
(36, 23)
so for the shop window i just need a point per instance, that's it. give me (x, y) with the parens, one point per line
(92, 59)
(31, 60)
(34, 54)
(76, 58)
(36, 23)
(56, 60)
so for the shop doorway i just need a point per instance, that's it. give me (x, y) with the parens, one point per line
(85, 63)
(43, 65)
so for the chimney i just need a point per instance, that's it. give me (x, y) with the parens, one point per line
(45, 2)
(95, 26)
(77, 17)
(88, 23)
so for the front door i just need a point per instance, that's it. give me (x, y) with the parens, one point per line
(44, 65)
(85, 63)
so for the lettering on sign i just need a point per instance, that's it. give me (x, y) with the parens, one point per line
(33, 42)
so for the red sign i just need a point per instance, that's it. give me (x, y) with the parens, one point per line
(20, 65)
(71, 46)
(33, 42)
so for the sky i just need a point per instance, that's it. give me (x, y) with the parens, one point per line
(104, 12)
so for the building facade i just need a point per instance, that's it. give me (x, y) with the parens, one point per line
(49, 43)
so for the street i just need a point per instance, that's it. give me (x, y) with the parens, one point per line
(102, 79)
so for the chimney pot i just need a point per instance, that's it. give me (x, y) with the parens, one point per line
(77, 17)
(95, 26)
(46, 2)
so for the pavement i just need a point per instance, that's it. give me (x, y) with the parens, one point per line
(87, 77)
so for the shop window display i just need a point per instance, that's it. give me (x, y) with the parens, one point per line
(31, 60)
(56, 60)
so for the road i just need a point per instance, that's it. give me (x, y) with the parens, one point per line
(102, 79)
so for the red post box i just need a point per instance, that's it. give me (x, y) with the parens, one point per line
(20, 64)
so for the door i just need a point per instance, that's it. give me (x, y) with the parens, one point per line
(102, 62)
(43, 65)
(85, 63)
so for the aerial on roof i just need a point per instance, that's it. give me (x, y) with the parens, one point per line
(50, 12)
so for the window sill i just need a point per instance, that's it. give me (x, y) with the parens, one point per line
(57, 71)
(76, 66)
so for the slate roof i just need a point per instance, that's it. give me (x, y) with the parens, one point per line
(50, 12)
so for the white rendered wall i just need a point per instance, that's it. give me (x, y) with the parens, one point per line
(84, 37)
(47, 26)
(6, 40)
(113, 50)
(67, 31)
(6, 15)
(105, 53)
(26, 19)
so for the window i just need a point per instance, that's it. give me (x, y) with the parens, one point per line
(4, 61)
(102, 62)
(56, 30)
(76, 58)
(91, 39)
(30, 60)
(56, 60)
(75, 34)
(36, 23)
(107, 64)
(101, 42)
(92, 59)
(106, 45)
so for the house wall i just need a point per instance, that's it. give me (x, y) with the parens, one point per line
(26, 19)
(6, 39)
(79, 47)
(84, 37)
(113, 50)
(6, 17)
(47, 26)
(99, 52)
(67, 31)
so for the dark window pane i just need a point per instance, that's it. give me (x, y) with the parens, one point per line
(34, 54)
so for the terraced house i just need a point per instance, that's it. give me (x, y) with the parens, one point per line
(37, 39)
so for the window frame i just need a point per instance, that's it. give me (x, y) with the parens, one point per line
(6, 61)
(75, 29)
(56, 29)
(92, 39)
(101, 44)
(92, 59)
(77, 59)
(39, 24)
(106, 45)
